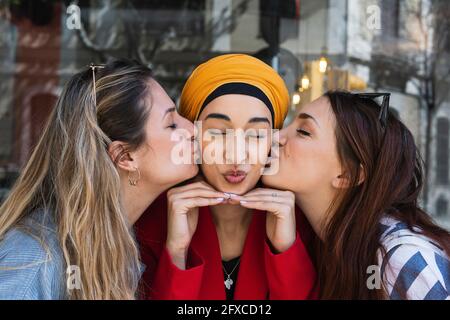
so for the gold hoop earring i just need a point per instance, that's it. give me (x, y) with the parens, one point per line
(133, 182)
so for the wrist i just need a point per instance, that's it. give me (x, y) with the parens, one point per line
(282, 246)
(178, 254)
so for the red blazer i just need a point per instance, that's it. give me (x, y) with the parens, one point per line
(262, 274)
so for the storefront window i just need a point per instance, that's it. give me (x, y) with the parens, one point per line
(399, 46)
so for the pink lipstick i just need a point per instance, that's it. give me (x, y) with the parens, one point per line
(235, 177)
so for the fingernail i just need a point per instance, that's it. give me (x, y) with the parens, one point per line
(220, 199)
(243, 201)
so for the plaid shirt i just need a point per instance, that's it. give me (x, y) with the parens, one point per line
(413, 267)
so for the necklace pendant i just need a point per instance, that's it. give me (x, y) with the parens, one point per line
(228, 283)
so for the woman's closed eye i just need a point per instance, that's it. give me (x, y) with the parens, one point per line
(256, 136)
(303, 132)
(216, 132)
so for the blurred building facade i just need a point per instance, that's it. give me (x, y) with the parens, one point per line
(316, 45)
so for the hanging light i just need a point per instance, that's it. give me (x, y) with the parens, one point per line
(296, 98)
(323, 64)
(305, 82)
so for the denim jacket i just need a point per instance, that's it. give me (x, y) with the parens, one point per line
(31, 261)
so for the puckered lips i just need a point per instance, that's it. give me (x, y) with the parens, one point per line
(235, 176)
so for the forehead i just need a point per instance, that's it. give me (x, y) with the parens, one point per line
(238, 107)
(320, 109)
(158, 95)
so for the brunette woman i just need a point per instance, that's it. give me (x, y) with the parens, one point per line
(356, 174)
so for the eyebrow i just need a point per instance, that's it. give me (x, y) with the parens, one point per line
(169, 110)
(227, 118)
(259, 119)
(220, 116)
(308, 116)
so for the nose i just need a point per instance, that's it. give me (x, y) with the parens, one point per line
(282, 137)
(188, 126)
(235, 151)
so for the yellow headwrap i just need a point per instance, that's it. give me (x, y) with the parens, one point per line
(234, 68)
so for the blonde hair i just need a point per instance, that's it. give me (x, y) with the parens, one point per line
(71, 174)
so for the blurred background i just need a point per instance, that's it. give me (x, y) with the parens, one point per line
(400, 46)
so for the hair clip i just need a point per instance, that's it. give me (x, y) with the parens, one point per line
(93, 66)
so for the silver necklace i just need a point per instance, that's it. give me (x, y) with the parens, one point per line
(229, 282)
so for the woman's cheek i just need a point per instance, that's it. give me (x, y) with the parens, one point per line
(299, 163)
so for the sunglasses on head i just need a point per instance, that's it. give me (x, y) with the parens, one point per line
(382, 117)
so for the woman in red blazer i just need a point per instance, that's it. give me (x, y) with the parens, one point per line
(262, 274)
(221, 238)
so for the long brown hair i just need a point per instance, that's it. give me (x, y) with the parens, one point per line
(71, 176)
(392, 169)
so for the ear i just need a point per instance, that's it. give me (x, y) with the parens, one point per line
(123, 159)
(343, 180)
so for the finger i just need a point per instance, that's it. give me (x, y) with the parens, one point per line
(191, 186)
(198, 193)
(271, 192)
(268, 198)
(266, 206)
(258, 205)
(202, 202)
(233, 200)
(255, 191)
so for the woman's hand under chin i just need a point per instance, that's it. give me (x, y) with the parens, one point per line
(280, 220)
(182, 216)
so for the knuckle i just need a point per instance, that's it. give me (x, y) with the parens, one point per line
(288, 193)
(202, 184)
(173, 197)
(177, 203)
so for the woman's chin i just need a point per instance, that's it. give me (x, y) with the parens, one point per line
(224, 186)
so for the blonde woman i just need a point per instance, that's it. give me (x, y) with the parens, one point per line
(66, 229)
